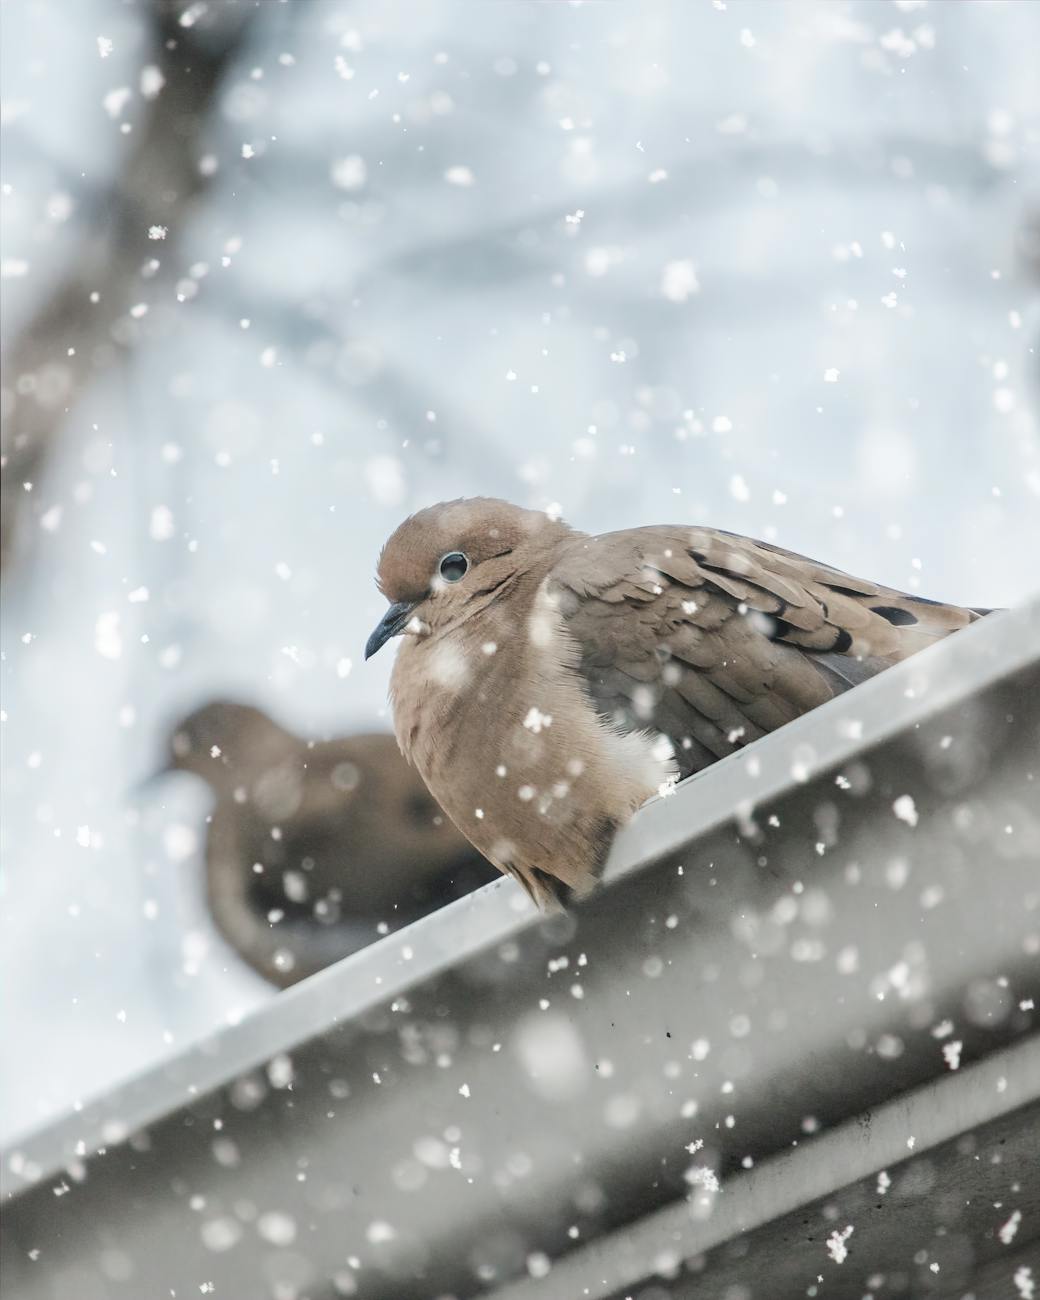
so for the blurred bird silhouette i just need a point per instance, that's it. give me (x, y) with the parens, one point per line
(315, 847)
(550, 682)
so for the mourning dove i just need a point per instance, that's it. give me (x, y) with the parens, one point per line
(312, 845)
(549, 681)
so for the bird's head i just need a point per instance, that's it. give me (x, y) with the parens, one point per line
(451, 561)
(219, 738)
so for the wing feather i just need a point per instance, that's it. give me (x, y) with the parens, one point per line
(715, 639)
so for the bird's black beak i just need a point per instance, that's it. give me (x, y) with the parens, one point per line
(393, 622)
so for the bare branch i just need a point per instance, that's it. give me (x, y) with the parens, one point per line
(83, 328)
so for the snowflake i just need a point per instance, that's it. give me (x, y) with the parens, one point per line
(905, 809)
(836, 1247)
(952, 1053)
(536, 720)
(461, 176)
(1007, 1231)
(679, 280)
(702, 1176)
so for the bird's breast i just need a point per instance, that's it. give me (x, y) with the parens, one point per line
(511, 747)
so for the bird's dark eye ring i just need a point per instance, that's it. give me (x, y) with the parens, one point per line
(453, 567)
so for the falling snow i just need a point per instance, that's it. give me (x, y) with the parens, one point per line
(836, 1243)
(1007, 1231)
(905, 809)
(618, 272)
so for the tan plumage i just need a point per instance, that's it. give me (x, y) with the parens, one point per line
(533, 683)
(312, 844)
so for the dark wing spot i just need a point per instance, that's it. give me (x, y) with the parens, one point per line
(897, 617)
(777, 628)
(842, 642)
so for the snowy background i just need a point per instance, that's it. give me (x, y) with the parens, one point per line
(766, 266)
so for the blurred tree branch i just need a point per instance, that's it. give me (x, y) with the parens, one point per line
(82, 328)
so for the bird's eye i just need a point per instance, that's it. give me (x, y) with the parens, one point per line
(454, 566)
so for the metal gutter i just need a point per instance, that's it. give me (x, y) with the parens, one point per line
(828, 1182)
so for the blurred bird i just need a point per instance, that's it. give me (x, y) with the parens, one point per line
(312, 845)
(551, 681)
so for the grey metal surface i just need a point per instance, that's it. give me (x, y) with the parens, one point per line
(915, 1177)
(941, 1197)
(779, 947)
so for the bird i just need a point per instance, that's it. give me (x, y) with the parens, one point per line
(314, 847)
(550, 681)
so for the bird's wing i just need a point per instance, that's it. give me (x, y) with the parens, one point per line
(715, 639)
